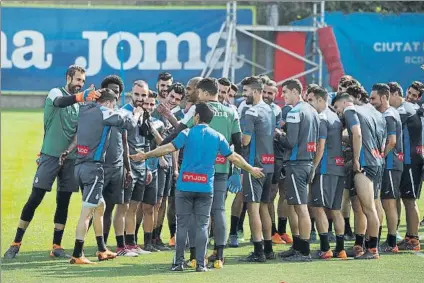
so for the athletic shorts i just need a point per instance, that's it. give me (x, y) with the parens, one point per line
(164, 181)
(296, 182)
(49, 169)
(219, 191)
(257, 190)
(135, 190)
(410, 182)
(278, 167)
(327, 191)
(150, 192)
(390, 184)
(90, 177)
(113, 191)
(374, 173)
(349, 176)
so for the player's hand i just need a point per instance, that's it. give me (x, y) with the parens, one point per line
(312, 175)
(128, 179)
(164, 109)
(176, 174)
(234, 182)
(38, 160)
(140, 156)
(149, 177)
(356, 167)
(163, 164)
(257, 172)
(63, 156)
(138, 111)
(90, 94)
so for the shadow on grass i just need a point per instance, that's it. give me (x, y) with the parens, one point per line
(39, 264)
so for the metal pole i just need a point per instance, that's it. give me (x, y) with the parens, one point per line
(234, 48)
(314, 38)
(278, 47)
(322, 23)
(227, 59)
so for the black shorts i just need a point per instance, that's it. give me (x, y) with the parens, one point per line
(150, 192)
(90, 177)
(49, 169)
(390, 184)
(164, 181)
(257, 190)
(135, 190)
(374, 173)
(327, 191)
(278, 167)
(296, 182)
(113, 189)
(410, 182)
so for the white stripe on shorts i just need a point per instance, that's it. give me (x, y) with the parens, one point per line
(412, 182)
(295, 189)
(251, 187)
(92, 189)
(321, 188)
(391, 183)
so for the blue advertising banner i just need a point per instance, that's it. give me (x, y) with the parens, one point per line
(379, 48)
(37, 49)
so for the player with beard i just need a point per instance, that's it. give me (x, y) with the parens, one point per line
(410, 183)
(191, 97)
(299, 143)
(115, 178)
(164, 81)
(394, 163)
(60, 126)
(168, 167)
(134, 192)
(93, 136)
(226, 122)
(414, 93)
(258, 141)
(327, 186)
(365, 139)
(269, 94)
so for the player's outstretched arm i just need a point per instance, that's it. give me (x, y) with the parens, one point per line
(89, 94)
(174, 134)
(239, 161)
(157, 152)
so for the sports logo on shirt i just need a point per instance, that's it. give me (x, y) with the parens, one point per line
(420, 149)
(339, 161)
(195, 178)
(400, 156)
(267, 158)
(311, 147)
(82, 150)
(220, 159)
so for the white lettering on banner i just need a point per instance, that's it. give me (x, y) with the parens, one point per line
(143, 51)
(20, 58)
(5, 63)
(102, 46)
(414, 60)
(414, 46)
(95, 39)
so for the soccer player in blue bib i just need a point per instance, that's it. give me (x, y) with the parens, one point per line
(194, 191)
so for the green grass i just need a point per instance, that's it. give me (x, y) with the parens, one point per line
(21, 140)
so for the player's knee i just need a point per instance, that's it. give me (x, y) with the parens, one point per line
(147, 209)
(33, 202)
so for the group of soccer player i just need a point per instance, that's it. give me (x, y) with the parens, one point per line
(323, 153)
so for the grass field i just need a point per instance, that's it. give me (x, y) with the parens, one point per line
(21, 135)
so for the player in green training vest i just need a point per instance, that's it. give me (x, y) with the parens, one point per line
(227, 123)
(57, 157)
